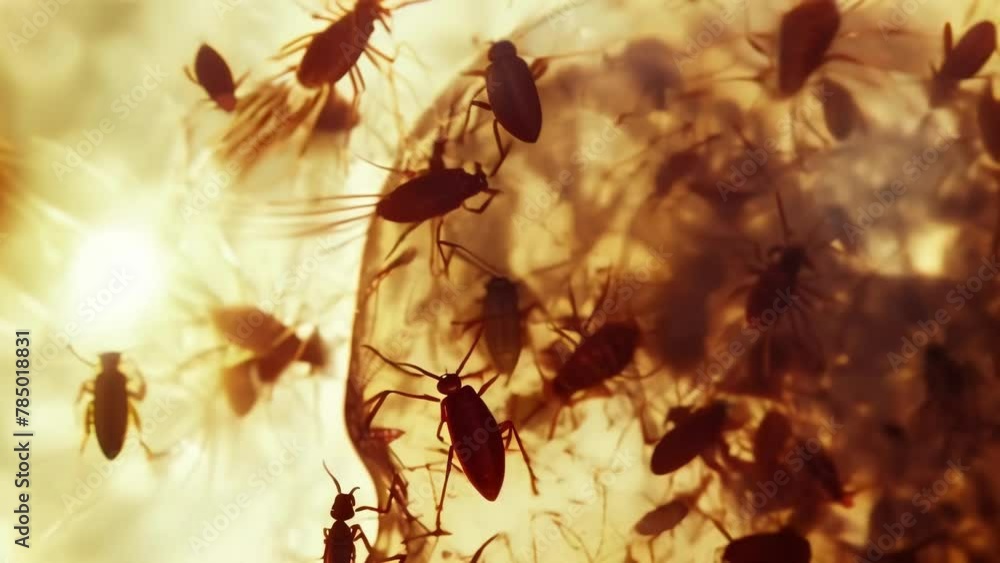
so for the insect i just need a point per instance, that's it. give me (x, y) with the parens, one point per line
(329, 55)
(502, 317)
(480, 441)
(110, 409)
(840, 111)
(822, 468)
(988, 118)
(693, 434)
(512, 93)
(599, 356)
(339, 539)
(212, 73)
(665, 518)
(961, 61)
(771, 440)
(785, 545)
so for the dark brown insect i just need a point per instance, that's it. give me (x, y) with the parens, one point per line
(840, 111)
(961, 61)
(694, 434)
(212, 73)
(823, 469)
(785, 546)
(110, 409)
(340, 537)
(772, 440)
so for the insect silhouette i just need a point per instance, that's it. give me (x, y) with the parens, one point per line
(988, 118)
(692, 436)
(512, 93)
(666, 517)
(962, 60)
(212, 73)
(840, 110)
(599, 356)
(823, 469)
(474, 431)
(340, 537)
(502, 318)
(785, 545)
(109, 411)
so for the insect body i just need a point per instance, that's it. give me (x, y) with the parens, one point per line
(961, 61)
(840, 111)
(694, 434)
(825, 472)
(785, 545)
(109, 411)
(340, 538)
(212, 73)
(467, 417)
(988, 117)
(512, 93)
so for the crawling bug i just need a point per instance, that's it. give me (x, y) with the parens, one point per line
(109, 411)
(988, 118)
(466, 414)
(502, 317)
(598, 357)
(665, 518)
(961, 61)
(212, 73)
(339, 538)
(512, 93)
(840, 111)
(785, 545)
(689, 438)
(328, 56)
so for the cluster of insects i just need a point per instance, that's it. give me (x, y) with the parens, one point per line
(591, 354)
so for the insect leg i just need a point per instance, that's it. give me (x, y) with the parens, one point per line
(88, 423)
(503, 150)
(86, 387)
(380, 398)
(468, 111)
(190, 75)
(134, 415)
(487, 385)
(140, 393)
(441, 425)
(508, 426)
(393, 494)
(482, 208)
(444, 487)
(359, 533)
(402, 237)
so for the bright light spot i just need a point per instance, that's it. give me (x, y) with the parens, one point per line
(928, 247)
(117, 274)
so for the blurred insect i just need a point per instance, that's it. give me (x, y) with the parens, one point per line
(339, 539)
(840, 110)
(988, 117)
(665, 518)
(771, 440)
(212, 73)
(502, 318)
(823, 469)
(961, 61)
(786, 545)
(512, 93)
(110, 409)
(463, 410)
(599, 356)
(328, 56)
(692, 435)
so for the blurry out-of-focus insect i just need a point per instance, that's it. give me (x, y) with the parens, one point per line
(840, 110)
(110, 409)
(823, 469)
(988, 117)
(962, 60)
(693, 434)
(665, 518)
(785, 545)
(466, 414)
(212, 73)
(771, 440)
(600, 355)
(502, 317)
(339, 538)
(512, 93)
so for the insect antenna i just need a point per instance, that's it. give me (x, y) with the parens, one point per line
(461, 366)
(335, 482)
(402, 366)
(79, 357)
(472, 258)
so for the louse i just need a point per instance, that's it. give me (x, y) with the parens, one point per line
(694, 434)
(502, 318)
(109, 411)
(599, 356)
(340, 537)
(329, 55)
(465, 413)
(962, 60)
(212, 73)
